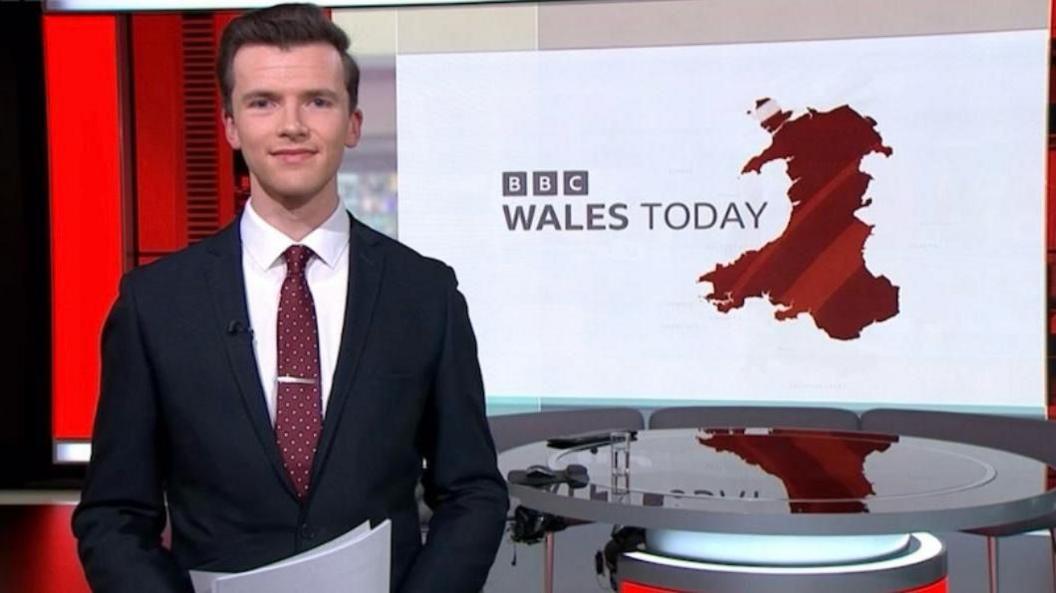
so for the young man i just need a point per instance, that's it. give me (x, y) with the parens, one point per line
(284, 380)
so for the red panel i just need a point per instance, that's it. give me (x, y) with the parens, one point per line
(225, 155)
(38, 552)
(87, 251)
(157, 81)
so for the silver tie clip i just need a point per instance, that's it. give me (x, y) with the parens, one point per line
(295, 380)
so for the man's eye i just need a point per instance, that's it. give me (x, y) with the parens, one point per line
(320, 102)
(258, 103)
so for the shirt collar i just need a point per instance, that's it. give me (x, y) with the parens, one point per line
(265, 244)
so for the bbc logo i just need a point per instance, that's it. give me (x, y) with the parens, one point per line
(545, 183)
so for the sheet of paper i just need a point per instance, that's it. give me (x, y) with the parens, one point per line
(358, 561)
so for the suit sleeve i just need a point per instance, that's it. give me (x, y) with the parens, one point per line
(462, 481)
(120, 518)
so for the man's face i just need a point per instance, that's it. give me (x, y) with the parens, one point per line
(290, 117)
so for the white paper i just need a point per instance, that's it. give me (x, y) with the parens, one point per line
(356, 561)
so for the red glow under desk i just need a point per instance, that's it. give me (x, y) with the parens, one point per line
(630, 587)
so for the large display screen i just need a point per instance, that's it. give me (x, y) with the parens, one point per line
(853, 220)
(774, 211)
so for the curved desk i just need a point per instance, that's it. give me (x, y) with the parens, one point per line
(685, 485)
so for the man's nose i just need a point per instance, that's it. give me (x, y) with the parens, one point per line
(292, 124)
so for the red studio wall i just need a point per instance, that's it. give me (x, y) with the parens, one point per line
(138, 167)
(88, 179)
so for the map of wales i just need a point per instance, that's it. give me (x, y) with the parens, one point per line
(817, 265)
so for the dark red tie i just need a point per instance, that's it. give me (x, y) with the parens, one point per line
(298, 409)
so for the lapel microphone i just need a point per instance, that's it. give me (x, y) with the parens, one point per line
(236, 327)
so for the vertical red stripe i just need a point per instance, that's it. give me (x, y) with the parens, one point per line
(157, 82)
(85, 174)
(225, 174)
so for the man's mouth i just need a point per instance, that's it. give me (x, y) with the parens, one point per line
(293, 155)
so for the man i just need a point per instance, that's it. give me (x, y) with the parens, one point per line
(284, 380)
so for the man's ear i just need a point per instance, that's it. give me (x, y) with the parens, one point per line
(230, 131)
(355, 128)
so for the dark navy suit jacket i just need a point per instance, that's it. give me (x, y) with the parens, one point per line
(182, 420)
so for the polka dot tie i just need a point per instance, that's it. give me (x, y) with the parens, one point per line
(298, 415)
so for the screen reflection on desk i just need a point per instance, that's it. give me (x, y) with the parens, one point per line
(820, 474)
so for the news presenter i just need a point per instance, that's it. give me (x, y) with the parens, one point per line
(285, 379)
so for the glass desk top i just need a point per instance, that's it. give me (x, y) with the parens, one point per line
(774, 480)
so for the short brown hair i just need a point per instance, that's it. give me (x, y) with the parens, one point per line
(285, 26)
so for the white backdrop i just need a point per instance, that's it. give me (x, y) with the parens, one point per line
(958, 210)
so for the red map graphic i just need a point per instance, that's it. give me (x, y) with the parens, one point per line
(823, 472)
(817, 265)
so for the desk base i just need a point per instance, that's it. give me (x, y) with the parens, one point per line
(920, 569)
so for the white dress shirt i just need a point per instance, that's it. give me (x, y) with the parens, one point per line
(264, 269)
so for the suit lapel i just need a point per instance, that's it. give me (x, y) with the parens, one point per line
(228, 290)
(366, 263)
